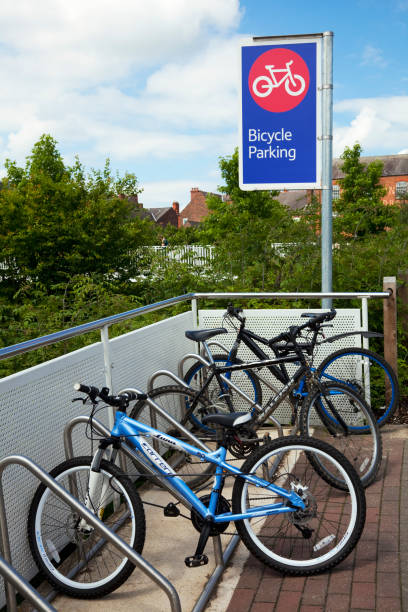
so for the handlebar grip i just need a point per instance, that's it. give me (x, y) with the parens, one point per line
(131, 396)
(234, 312)
(86, 389)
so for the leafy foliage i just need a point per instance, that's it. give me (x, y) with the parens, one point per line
(55, 222)
(244, 227)
(360, 209)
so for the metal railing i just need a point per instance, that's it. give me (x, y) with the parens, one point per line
(107, 533)
(104, 324)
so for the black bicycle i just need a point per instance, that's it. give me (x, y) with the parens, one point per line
(331, 411)
(364, 371)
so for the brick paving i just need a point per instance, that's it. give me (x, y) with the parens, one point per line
(373, 577)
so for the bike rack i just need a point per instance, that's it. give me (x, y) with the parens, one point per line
(11, 576)
(221, 558)
(107, 533)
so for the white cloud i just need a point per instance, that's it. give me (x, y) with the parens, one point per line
(201, 91)
(380, 125)
(163, 193)
(373, 56)
(126, 79)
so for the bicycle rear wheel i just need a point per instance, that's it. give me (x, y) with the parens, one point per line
(175, 400)
(218, 397)
(361, 443)
(308, 541)
(367, 373)
(78, 561)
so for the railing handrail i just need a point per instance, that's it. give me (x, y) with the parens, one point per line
(346, 295)
(35, 343)
(29, 345)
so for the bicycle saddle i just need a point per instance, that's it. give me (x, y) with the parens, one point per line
(201, 335)
(233, 419)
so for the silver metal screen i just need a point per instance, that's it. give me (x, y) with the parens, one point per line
(35, 405)
(269, 323)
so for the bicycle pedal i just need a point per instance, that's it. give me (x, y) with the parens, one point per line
(171, 510)
(196, 560)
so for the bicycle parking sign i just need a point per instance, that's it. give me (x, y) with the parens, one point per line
(280, 113)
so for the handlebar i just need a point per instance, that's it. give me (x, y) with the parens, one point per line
(289, 337)
(235, 312)
(119, 401)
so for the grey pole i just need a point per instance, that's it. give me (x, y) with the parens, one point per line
(327, 160)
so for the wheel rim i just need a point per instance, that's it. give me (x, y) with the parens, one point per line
(346, 369)
(324, 534)
(245, 382)
(74, 554)
(360, 450)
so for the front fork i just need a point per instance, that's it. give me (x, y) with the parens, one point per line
(92, 503)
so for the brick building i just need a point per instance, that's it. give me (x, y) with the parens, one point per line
(394, 178)
(196, 210)
(394, 175)
(166, 215)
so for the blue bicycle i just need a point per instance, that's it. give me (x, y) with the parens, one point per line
(286, 514)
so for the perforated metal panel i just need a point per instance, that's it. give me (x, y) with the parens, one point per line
(36, 404)
(269, 323)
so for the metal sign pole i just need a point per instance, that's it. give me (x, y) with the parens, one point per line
(327, 154)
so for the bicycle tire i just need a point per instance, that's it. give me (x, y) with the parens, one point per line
(58, 545)
(295, 92)
(174, 399)
(297, 543)
(245, 379)
(343, 366)
(362, 447)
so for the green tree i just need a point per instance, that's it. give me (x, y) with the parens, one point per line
(360, 210)
(57, 222)
(244, 226)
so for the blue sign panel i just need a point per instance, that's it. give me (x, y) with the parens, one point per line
(280, 114)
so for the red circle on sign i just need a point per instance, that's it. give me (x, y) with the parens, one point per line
(278, 80)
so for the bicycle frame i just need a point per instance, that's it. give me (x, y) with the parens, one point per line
(136, 433)
(262, 413)
(289, 383)
(287, 74)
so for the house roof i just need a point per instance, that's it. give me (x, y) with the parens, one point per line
(157, 213)
(293, 199)
(394, 165)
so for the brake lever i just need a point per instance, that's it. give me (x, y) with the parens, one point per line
(83, 400)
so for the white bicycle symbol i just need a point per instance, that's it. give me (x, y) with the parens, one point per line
(263, 85)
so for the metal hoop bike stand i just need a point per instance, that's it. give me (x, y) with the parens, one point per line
(221, 557)
(107, 533)
(11, 576)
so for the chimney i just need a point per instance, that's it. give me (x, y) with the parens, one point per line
(176, 207)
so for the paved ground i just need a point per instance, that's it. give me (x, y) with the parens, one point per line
(373, 577)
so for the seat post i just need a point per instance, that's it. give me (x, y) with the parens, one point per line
(208, 351)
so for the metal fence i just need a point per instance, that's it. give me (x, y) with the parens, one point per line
(35, 404)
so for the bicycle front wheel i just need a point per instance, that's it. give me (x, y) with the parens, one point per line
(76, 559)
(367, 373)
(307, 541)
(176, 400)
(359, 440)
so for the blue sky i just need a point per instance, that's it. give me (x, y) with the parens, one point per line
(154, 85)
